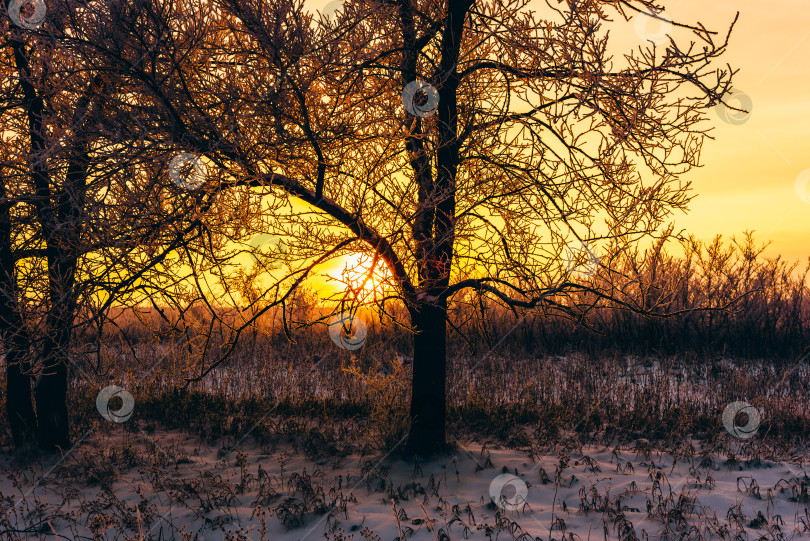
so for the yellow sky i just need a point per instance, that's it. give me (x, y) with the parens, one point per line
(749, 176)
(748, 180)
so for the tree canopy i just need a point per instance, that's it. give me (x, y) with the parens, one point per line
(463, 145)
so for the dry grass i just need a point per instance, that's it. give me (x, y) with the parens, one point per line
(533, 382)
(508, 380)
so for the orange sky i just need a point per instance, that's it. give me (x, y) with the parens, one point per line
(749, 176)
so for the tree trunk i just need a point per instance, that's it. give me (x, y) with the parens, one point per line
(20, 410)
(428, 403)
(63, 228)
(51, 388)
(51, 397)
(52, 384)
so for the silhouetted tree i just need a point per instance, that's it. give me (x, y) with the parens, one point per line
(465, 145)
(76, 233)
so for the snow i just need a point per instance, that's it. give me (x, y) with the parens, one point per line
(170, 485)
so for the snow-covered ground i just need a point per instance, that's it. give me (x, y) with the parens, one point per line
(170, 485)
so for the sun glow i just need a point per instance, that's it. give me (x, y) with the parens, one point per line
(361, 276)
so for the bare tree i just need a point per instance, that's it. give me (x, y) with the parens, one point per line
(44, 188)
(77, 234)
(464, 145)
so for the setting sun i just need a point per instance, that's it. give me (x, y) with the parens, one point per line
(359, 275)
(404, 269)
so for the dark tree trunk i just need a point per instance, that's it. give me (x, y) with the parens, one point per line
(20, 410)
(51, 388)
(63, 230)
(428, 403)
(434, 232)
(51, 396)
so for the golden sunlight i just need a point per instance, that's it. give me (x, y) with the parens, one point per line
(360, 277)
